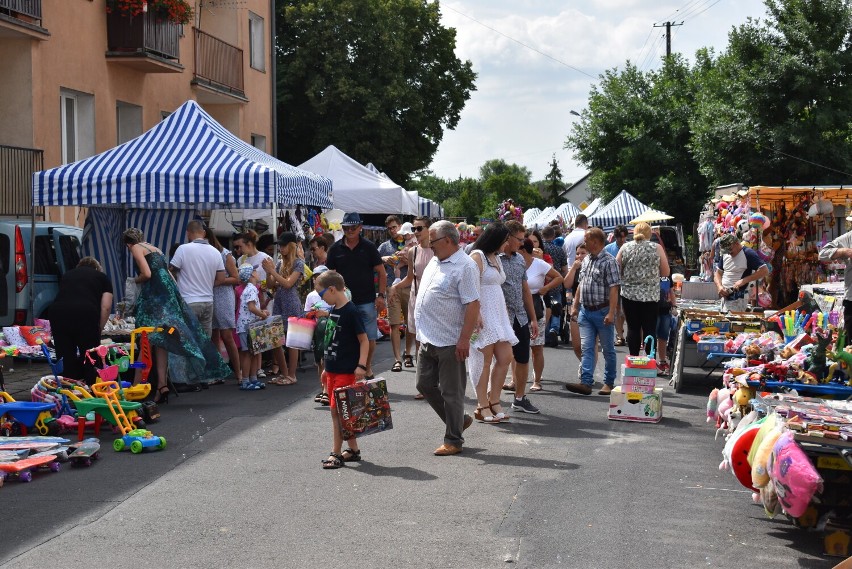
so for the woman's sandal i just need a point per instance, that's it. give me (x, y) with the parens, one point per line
(409, 360)
(287, 381)
(277, 380)
(509, 387)
(324, 400)
(535, 387)
(499, 415)
(491, 419)
(397, 366)
(354, 455)
(333, 461)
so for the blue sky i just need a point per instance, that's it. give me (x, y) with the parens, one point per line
(521, 109)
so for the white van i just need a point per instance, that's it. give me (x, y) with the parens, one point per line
(57, 250)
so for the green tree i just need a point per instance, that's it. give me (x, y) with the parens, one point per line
(379, 79)
(635, 136)
(775, 106)
(553, 184)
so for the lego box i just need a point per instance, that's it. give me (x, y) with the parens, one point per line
(638, 372)
(635, 406)
(638, 384)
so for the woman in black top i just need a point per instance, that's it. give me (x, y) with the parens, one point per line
(78, 316)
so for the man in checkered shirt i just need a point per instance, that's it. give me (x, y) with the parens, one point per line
(600, 282)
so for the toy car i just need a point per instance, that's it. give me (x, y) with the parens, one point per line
(138, 439)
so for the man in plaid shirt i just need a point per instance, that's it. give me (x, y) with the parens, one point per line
(600, 282)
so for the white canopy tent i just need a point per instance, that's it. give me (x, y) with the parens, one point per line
(530, 215)
(592, 207)
(567, 212)
(359, 189)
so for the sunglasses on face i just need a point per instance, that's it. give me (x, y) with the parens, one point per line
(418, 228)
(322, 292)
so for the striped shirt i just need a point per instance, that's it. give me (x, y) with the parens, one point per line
(445, 289)
(598, 274)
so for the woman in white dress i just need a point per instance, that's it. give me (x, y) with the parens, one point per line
(495, 335)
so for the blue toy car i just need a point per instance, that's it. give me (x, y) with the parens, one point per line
(138, 439)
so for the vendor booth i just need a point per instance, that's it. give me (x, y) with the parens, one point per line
(619, 211)
(566, 212)
(359, 189)
(159, 180)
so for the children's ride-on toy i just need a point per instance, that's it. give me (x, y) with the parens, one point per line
(139, 439)
(135, 439)
(28, 414)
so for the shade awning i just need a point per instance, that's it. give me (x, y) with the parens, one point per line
(651, 216)
(618, 212)
(188, 159)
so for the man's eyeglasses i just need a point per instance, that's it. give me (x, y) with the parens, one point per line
(433, 241)
(418, 228)
(521, 239)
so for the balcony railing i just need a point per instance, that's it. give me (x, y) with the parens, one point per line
(29, 8)
(16, 172)
(145, 35)
(219, 63)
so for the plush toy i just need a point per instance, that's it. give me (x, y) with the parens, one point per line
(794, 477)
(759, 465)
(712, 404)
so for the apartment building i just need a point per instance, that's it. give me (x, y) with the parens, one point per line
(76, 80)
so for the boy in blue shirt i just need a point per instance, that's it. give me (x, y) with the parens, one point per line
(347, 347)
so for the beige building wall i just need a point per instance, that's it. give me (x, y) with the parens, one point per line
(71, 54)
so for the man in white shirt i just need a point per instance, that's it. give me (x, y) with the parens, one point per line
(446, 313)
(198, 267)
(581, 222)
(736, 267)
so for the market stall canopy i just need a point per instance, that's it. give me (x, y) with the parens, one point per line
(651, 216)
(430, 208)
(187, 160)
(357, 188)
(592, 207)
(618, 212)
(545, 214)
(790, 194)
(566, 212)
(530, 215)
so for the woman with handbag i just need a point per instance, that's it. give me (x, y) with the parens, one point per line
(286, 275)
(641, 262)
(541, 278)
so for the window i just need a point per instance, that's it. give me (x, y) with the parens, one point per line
(45, 258)
(257, 43)
(69, 247)
(128, 121)
(77, 125)
(258, 142)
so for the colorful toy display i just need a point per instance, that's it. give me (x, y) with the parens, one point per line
(134, 439)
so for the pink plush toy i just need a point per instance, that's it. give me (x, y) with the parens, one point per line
(712, 404)
(793, 475)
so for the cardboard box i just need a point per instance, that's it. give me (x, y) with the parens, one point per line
(638, 384)
(711, 344)
(638, 371)
(699, 291)
(634, 406)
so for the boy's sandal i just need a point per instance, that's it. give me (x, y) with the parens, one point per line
(397, 366)
(333, 461)
(318, 397)
(354, 455)
(409, 360)
(324, 399)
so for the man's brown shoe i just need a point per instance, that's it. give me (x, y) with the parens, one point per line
(447, 450)
(605, 390)
(468, 421)
(579, 388)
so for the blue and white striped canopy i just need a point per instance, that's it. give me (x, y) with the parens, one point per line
(430, 208)
(187, 160)
(618, 212)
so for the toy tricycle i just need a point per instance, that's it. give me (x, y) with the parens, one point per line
(138, 439)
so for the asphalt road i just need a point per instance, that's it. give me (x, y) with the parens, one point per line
(240, 485)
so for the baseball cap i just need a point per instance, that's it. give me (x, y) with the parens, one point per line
(406, 229)
(320, 269)
(351, 219)
(727, 241)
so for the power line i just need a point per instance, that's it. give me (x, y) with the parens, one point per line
(519, 42)
(681, 9)
(705, 9)
(829, 168)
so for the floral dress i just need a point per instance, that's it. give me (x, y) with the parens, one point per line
(160, 304)
(286, 301)
(640, 271)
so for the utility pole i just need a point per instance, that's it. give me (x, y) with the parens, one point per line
(668, 26)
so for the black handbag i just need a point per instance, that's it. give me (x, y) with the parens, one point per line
(538, 306)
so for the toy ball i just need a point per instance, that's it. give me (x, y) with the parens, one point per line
(758, 220)
(512, 208)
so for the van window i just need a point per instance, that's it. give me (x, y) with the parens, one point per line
(45, 258)
(5, 253)
(69, 247)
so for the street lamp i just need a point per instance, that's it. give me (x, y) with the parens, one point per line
(575, 113)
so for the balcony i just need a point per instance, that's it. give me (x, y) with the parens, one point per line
(19, 18)
(218, 70)
(16, 172)
(144, 43)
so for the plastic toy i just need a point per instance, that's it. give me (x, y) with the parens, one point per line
(739, 456)
(135, 439)
(794, 477)
(85, 452)
(29, 414)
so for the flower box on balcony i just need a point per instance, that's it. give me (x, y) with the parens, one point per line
(144, 34)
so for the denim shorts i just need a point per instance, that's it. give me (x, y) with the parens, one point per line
(368, 317)
(664, 326)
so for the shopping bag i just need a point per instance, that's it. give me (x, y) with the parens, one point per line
(363, 408)
(266, 334)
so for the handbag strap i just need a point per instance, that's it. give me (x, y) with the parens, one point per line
(414, 270)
